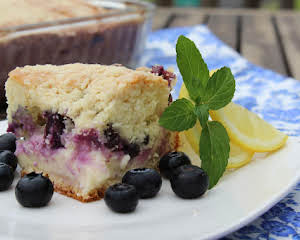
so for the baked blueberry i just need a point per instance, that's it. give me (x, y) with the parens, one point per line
(189, 181)
(8, 142)
(171, 161)
(147, 181)
(34, 190)
(9, 158)
(54, 129)
(6, 176)
(121, 197)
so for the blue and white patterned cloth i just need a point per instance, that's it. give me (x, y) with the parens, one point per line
(274, 97)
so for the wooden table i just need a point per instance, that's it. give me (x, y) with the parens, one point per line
(266, 38)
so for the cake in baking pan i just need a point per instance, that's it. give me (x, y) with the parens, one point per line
(69, 31)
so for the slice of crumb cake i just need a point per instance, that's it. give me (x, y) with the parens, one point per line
(85, 125)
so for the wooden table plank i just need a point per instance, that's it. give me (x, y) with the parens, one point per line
(289, 31)
(226, 28)
(226, 11)
(187, 20)
(259, 43)
(177, 17)
(254, 35)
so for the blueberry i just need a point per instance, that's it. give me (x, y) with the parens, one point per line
(160, 71)
(9, 158)
(147, 181)
(54, 129)
(6, 176)
(34, 190)
(116, 143)
(8, 142)
(189, 181)
(171, 161)
(121, 197)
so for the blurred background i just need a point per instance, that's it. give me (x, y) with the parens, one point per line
(267, 4)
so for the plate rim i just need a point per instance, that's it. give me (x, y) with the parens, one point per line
(259, 212)
(248, 218)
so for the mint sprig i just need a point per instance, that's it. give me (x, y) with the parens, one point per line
(207, 93)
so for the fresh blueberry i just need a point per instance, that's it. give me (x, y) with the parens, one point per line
(189, 181)
(6, 176)
(9, 158)
(147, 181)
(121, 197)
(34, 190)
(171, 161)
(8, 142)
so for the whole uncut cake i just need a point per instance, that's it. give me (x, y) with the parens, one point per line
(69, 31)
(85, 125)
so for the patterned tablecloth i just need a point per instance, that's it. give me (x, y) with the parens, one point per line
(274, 97)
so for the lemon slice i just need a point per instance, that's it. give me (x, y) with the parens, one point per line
(238, 156)
(188, 150)
(249, 130)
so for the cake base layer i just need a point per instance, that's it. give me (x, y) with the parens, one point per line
(81, 186)
(87, 181)
(66, 189)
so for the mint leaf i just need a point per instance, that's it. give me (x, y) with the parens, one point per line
(192, 67)
(179, 116)
(214, 151)
(219, 90)
(202, 114)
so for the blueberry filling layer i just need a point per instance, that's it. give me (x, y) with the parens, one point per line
(88, 137)
(55, 130)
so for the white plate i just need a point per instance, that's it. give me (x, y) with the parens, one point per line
(240, 197)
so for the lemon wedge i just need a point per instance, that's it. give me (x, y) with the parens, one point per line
(188, 150)
(248, 130)
(238, 156)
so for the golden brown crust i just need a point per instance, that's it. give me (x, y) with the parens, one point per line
(176, 141)
(68, 191)
(81, 76)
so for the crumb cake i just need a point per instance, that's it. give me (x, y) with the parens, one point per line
(85, 125)
(100, 39)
